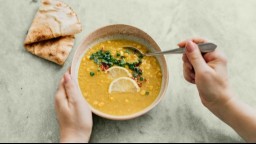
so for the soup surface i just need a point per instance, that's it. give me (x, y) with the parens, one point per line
(94, 80)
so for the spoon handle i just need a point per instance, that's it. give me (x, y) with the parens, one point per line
(204, 48)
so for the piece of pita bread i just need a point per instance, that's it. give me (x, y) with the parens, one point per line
(53, 19)
(55, 50)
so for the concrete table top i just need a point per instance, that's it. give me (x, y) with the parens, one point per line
(28, 83)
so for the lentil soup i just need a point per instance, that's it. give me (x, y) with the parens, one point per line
(94, 81)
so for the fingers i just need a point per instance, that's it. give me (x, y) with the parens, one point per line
(216, 56)
(188, 73)
(71, 89)
(199, 40)
(187, 63)
(195, 57)
(192, 59)
(185, 59)
(60, 97)
(188, 70)
(195, 40)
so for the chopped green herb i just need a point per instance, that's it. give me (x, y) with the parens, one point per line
(96, 60)
(122, 62)
(91, 57)
(134, 74)
(140, 61)
(92, 74)
(115, 61)
(104, 61)
(104, 58)
(141, 79)
(131, 66)
(127, 51)
(107, 52)
(147, 93)
(138, 70)
(110, 63)
(140, 56)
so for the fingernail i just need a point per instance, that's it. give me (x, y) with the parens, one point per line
(190, 47)
(67, 77)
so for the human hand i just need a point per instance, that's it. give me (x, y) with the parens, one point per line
(208, 72)
(73, 113)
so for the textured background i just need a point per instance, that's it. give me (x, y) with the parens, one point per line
(28, 83)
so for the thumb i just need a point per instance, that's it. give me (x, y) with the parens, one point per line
(195, 57)
(71, 89)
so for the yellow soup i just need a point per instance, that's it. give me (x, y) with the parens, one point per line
(94, 81)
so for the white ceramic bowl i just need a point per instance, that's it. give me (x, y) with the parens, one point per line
(126, 32)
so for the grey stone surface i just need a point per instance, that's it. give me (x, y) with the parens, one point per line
(28, 83)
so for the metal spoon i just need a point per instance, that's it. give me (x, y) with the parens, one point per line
(204, 48)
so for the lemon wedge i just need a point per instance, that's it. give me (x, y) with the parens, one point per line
(123, 84)
(117, 72)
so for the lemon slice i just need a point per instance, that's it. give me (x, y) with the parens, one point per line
(117, 72)
(123, 84)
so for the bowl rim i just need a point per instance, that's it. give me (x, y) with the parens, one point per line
(137, 114)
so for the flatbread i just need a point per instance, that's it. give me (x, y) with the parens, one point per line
(55, 50)
(53, 19)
